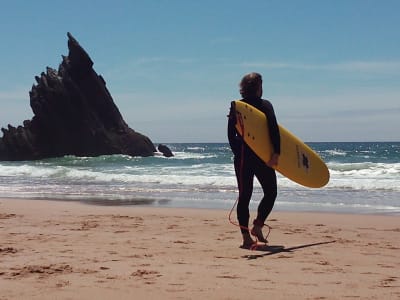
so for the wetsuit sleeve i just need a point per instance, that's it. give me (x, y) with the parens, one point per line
(272, 126)
(233, 137)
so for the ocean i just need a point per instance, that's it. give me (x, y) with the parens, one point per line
(365, 179)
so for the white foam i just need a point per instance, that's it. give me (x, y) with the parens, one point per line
(335, 152)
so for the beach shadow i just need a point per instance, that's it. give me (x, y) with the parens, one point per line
(271, 250)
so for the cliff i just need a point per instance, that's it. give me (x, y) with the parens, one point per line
(74, 114)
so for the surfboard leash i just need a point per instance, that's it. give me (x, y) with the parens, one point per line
(255, 245)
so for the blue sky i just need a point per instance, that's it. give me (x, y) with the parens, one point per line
(331, 68)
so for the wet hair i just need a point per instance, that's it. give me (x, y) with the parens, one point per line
(250, 84)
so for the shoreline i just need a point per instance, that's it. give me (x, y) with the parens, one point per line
(74, 250)
(162, 204)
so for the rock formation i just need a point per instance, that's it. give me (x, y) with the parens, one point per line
(74, 114)
(165, 150)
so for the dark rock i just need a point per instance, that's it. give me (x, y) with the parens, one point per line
(165, 150)
(74, 114)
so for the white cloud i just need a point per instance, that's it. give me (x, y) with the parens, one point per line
(16, 95)
(15, 107)
(349, 66)
(160, 59)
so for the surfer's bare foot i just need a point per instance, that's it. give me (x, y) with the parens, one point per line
(248, 242)
(257, 232)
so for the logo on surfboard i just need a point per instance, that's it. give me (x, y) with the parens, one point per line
(302, 159)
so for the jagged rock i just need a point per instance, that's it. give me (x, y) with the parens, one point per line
(74, 114)
(165, 150)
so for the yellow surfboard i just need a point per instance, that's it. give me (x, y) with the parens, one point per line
(297, 161)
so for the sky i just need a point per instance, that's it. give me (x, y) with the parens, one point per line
(331, 68)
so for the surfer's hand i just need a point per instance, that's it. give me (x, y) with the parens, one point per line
(273, 161)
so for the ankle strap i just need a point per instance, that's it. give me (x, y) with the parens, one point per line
(258, 222)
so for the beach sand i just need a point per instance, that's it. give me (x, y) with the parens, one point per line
(70, 250)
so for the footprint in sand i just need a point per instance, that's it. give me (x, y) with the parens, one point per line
(7, 216)
(389, 282)
(8, 250)
(42, 271)
(149, 276)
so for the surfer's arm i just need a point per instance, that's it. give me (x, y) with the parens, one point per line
(234, 139)
(273, 129)
(274, 160)
(275, 140)
(274, 134)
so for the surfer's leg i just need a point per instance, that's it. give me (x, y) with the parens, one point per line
(267, 178)
(245, 178)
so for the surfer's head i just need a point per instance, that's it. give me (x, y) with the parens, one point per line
(251, 86)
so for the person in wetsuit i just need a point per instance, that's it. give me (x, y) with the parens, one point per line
(247, 164)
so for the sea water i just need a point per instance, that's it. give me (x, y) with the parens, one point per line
(365, 178)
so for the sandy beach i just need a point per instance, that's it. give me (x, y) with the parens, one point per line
(70, 250)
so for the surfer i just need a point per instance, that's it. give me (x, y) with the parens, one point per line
(247, 164)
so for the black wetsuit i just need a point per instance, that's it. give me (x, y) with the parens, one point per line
(251, 165)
